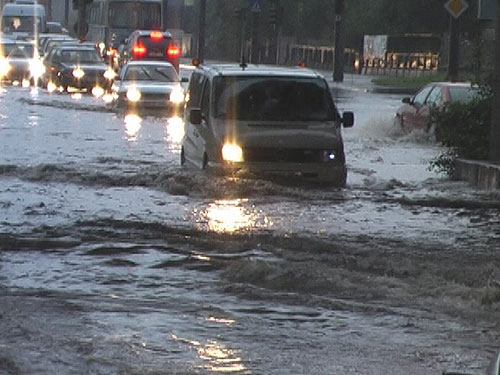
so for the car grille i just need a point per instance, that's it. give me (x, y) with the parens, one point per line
(287, 155)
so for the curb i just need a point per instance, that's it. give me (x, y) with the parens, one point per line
(482, 174)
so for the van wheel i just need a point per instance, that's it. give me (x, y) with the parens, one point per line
(204, 163)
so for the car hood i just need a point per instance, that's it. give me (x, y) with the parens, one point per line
(276, 134)
(149, 87)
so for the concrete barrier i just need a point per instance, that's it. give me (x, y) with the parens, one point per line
(483, 174)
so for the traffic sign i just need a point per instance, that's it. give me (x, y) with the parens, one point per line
(254, 6)
(456, 7)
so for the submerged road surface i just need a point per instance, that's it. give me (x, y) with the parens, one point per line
(115, 260)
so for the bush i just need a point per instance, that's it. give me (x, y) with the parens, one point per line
(464, 128)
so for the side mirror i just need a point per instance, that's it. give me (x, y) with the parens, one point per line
(348, 119)
(184, 80)
(195, 116)
(406, 100)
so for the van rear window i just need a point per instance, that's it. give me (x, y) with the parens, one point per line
(273, 99)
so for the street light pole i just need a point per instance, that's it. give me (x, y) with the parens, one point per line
(201, 31)
(338, 62)
(494, 154)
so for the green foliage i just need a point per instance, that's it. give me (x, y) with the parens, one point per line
(464, 129)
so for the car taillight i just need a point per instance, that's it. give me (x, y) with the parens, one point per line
(156, 35)
(112, 52)
(139, 50)
(173, 51)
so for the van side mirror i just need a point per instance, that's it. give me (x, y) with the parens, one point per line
(406, 100)
(348, 119)
(184, 80)
(195, 116)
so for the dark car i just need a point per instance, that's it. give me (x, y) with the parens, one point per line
(150, 45)
(415, 113)
(19, 61)
(80, 67)
(266, 120)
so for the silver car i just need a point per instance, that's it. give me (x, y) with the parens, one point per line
(148, 85)
(267, 120)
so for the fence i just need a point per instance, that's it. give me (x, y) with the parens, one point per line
(405, 64)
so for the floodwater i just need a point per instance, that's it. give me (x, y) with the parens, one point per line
(116, 260)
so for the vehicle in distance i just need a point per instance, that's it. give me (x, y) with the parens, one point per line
(150, 45)
(148, 84)
(19, 62)
(415, 113)
(77, 67)
(265, 120)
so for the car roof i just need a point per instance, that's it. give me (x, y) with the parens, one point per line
(452, 84)
(260, 70)
(76, 48)
(148, 63)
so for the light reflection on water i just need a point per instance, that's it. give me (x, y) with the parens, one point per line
(174, 132)
(133, 124)
(229, 216)
(217, 358)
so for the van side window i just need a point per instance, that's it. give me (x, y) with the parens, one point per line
(195, 90)
(205, 101)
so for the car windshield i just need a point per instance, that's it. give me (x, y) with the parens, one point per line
(256, 98)
(463, 94)
(17, 50)
(80, 56)
(151, 73)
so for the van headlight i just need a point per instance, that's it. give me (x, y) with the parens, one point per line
(133, 94)
(78, 73)
(37, 69)
(231, 152)
(4, 66)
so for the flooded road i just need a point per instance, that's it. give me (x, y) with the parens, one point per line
(115, 260)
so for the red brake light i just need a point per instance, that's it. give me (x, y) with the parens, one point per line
(173, 51)
(139, 50)
(156, 35)
(112, 52)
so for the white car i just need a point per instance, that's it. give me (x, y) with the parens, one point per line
(148, 85)
(267, 120)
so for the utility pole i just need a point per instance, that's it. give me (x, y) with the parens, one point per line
(494, 153)
(82, 27)
(338, 61)
(255, 10)
(201, 31)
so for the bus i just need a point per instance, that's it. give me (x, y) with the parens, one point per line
(112, 21)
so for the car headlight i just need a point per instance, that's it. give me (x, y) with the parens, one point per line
(37, 69)
(133, 94)
(232, 152)
(110, 74)
(78, 73)
(4, 66)
(177, 95)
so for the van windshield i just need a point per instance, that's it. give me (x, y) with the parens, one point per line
(21, 24)
(257, 98)
(17, 50)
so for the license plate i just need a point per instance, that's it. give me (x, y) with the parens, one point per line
(156, 54)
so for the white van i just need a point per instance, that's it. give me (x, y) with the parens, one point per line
(265, 120)
(23, 17)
